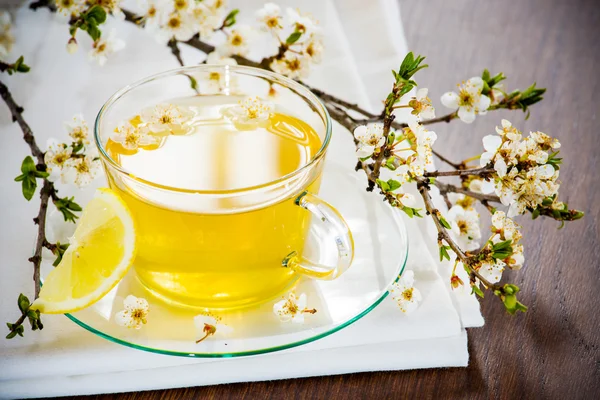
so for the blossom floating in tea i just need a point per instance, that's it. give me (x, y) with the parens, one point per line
(165, 119)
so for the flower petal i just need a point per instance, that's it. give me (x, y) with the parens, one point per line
(450, 100)
(466, 115)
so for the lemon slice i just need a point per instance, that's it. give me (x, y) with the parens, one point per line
(100, 253)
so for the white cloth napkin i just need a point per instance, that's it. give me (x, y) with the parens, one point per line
(364, 42)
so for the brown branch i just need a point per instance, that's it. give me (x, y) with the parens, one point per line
(47, 192)
(17, 116)
(40, 220)
(423, 186)
(483, 171)
(447, 188)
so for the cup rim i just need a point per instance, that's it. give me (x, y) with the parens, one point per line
(299, 89)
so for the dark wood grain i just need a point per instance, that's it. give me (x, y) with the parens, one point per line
(552, 351)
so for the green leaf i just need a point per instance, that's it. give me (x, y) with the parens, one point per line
(391, 137)
(23, 303)
(230, 18)
(28, 186)
(293, 38)
(93, 31)
(34, 319)
(11, 334)
(59, 252)
(383, 185)
(485, 76)
(20, 66)
(193, 82)
(477, 291)
(535, 213)
(444, 253)
(77, 147)
(66, 206)
(28, 165)
(389, 163)
(393, 184)
(502, 246)
(445, 223)
(96, 15)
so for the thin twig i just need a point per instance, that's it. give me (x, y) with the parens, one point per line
(444, 159)
(17, 116)
(447, 188)
(173, 45)
(463, 172)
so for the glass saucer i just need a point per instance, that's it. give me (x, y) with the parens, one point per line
(380, 256)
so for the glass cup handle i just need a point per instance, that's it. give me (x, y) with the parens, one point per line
(336, 230)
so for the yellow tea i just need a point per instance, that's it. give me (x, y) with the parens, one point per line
(217, 260)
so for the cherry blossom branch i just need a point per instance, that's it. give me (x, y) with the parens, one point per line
(47, 192)
(423, 187)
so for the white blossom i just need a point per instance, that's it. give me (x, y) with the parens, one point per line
(465, 227)
(370, 137)
(104, 47)
(313, 48)
(292, 308)
(210, 325)
(56, 157)
(131, 137)
(6, 37)
(462, 200)
(68, 8)
(113, 7)
(492, 270)
(304, 23)
(165, 119)
(404, 292)
(421, 105)
(238, 41)
(183, 6)
(249, 112)
(82, 170)
(421, 141)
(178, 25)
(205, 20)
(292, 65)
(78, 129)
(491, 144)
(469, 101)
(216, 6)
(154, 13)
(270, 17)
(135, 313)
(544, 140)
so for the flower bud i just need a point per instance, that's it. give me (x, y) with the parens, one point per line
(455, 281)
(72, 46)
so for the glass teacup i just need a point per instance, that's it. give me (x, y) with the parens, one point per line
(212, 231)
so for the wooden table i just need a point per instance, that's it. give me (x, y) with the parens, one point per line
(553, 351)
